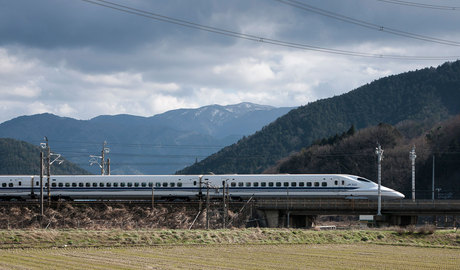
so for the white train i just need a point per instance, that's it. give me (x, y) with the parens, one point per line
(191, 187)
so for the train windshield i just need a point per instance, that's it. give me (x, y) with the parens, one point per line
(364, 180)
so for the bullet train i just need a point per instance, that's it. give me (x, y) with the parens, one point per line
(191, 187)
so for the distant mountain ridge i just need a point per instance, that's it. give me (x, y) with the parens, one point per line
(430, 93)
(160, 144)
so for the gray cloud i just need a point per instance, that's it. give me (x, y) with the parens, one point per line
(80, 60)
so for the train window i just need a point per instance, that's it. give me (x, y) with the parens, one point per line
(60, 184)
(172, 184)
(115, 184)
(3, 184)
(316, 184)
(270, 184)
(19, 183)
(293, 184)
(194, 183)
(248, 184)
(74, 184)
(87, 184)
(233, 184)
(158, 184)
(278, 184)
(150, 184)
(301, 184)
(179, 184)
(324, 184)
(10, 184)
(336, 182)
(79, 184)
(37, 183)
(130, 184)
(109, 184)
(136, 184)
(94, 184)
(308, 184)
(165, 184)
(263, 184)
(122, 184)
(101, 184)
(143, 184)
(286, 184)
(343, 183)
(256, 184)
(67, 184)
(46, 184)
(240, 184)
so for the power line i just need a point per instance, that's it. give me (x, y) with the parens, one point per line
(365, 24)
(254, 38)
(420, 5)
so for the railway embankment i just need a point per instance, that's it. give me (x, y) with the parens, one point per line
(43, 238)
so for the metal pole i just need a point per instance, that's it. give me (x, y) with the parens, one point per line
(108, 166)
(412, 157)
(287, 207)
(41, 184)
(432, 182)
(48, 170)
(153, 198)
(224, 205)
(102, 159)
(379, 152)
(207, 206)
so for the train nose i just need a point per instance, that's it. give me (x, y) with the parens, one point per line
(398, 195)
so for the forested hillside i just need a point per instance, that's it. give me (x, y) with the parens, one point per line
(427, 95)
(355, 154)
(18, 157)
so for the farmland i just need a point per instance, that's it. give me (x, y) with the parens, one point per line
(229, 249)
(284, 256)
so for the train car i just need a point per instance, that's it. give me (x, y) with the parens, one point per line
(190, 187)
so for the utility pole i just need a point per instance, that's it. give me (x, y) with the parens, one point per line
(379, 153)
(412, 157)
(48, 169)
(153, 198)
(224, 214)
(41, 185)
(47, 148)
(94, 159)
(207, 205)
(432, 182)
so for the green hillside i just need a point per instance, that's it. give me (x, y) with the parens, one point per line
(428, 94)
(355, 154)
(18, 158)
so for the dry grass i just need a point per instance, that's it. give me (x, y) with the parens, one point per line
(108, 217)
(120, 238)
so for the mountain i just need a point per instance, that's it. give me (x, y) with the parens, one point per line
(18, 157)
(354, 153)
(160, 144)
(430, 94)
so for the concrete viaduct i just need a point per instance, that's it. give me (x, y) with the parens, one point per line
(302, 213)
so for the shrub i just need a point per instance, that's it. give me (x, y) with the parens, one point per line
(426, 229)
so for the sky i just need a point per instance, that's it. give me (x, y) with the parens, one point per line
(79, 59)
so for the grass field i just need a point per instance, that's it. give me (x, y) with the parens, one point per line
(229, 249)
(269, 256)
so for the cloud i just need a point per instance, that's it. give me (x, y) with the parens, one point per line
(80, 60)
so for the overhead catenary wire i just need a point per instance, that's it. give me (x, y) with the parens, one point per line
(421, 5)
(380, 28)
(234, 34)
